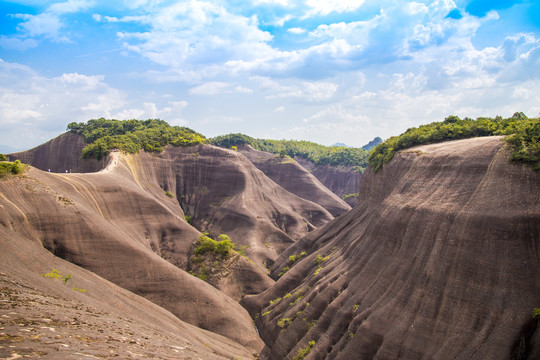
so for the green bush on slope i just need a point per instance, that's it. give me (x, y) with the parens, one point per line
(102, 135)
(12, 168)
(523, 136)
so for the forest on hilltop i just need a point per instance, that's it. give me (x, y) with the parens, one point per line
(316, 153)
(102, 135)
(523, 136)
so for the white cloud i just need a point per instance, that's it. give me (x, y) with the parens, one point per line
(34, 108)
(196, 35)
(216, 87)
(317, 91)
(47, 24)
(296, 30)
(15, 43)
(325, 7)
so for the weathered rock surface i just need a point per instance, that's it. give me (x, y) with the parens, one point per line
(290, 175)
(87, 317)
(440, 260)
(61, 154)
(341, 180)
(223, 192)
(116, 227)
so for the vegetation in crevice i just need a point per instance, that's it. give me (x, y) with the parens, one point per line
(303, 352)
(103, 135)
(345, 197)
(213, 260)
(523, 137)
(316, 153)
(56, 274)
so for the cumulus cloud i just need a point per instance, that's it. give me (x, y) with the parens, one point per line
(318, 91)
(37, 108)
(324, 7)
(216, 87)
(196, 34)
(47, 24)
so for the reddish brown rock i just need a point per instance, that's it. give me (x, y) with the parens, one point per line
(341, 180)
(439, 260)
(115, 227)
(293, 177)
(87, 316)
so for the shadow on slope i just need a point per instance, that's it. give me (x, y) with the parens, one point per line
(440, 259)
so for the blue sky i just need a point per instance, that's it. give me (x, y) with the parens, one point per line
(326, 71)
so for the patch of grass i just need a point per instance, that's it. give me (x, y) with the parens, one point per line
(275, 300)
(283, 271)
(223, 246)
(56, 274)
(168, 194)
(65, 200)
(345, 197)
(295, 258)
(284, 322)
(303, 352)
(536, 313)
(266, 313)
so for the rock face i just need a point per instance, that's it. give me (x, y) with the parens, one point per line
(440, 260)
(293, 177)
(87, 316)
(126, 223)
(340, 180)
(223, 192)
(107, 223)
(61, 154)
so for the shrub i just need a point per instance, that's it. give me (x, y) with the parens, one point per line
(3, 157)
(222, 247)
(12, 168)
(316, 153)
(283, 271)
(303, 352)
(284, 322)
(523, 136)
(168, 194)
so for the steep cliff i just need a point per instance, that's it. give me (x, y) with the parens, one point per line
(440, 260)
(223, 192)
(61, 154)
(341, 180)
(293, 177)
(117, 228)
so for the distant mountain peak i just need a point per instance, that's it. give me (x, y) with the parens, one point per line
(341, 145)
(370, 145)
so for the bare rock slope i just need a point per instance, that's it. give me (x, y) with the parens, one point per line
(111, 226)
(289, 174)
(440, 260)
(87, 317)
(341, 180)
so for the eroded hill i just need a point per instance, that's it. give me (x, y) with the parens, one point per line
(439, 260)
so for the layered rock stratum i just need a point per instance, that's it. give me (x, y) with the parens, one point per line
(440, 260)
